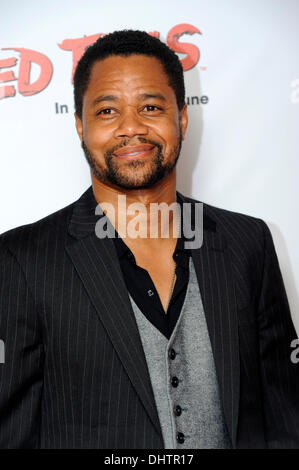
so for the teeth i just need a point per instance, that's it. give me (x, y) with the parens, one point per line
(135, 153)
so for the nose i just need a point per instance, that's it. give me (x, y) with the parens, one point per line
(130, 124)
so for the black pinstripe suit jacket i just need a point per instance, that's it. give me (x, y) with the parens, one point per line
(75, 374)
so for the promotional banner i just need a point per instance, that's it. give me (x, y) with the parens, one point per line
(241, 68)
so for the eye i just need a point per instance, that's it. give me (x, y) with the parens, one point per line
(105, 112)
(151, 107)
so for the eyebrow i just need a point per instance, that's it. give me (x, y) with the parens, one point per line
(146, 96)
(141, 97)
(101, 98)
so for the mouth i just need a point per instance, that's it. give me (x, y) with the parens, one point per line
(137, 151)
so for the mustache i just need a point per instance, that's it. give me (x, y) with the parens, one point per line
(126, 142)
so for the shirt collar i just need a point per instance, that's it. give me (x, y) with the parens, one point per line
(180, 254)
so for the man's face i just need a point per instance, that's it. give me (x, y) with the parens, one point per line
(131, 129)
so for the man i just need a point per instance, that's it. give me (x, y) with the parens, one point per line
(142, 342)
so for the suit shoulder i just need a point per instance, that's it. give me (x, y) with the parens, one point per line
(45, 230)
(236, 227)
(235, 218)
(240, 230)
(220, 213)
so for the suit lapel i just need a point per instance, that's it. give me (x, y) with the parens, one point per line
(214, 273)
(97, 264)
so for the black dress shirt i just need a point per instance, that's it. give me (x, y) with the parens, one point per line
(143, 291)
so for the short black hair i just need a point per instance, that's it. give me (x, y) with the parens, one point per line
(126, 43)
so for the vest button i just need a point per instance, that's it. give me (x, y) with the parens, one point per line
(174, 381)
(180, 438)
(177, 410)
(171, 353)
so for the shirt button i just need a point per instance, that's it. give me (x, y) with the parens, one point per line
(174, 381)
(150, 293)
(171, 353)
(180, 438)
(177, 410)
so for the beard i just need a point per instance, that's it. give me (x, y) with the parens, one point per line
(136, 174)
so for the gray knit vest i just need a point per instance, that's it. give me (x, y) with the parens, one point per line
(200, 420)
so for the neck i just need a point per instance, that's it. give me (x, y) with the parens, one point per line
(120, 200)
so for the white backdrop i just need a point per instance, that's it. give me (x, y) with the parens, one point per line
(241, 151)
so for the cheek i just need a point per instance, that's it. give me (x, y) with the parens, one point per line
(97, 139)
(168, 132)
(170, 135)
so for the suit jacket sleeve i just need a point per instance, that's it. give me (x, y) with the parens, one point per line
(280, 377)
(21, 373)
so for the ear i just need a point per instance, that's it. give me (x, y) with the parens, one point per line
(79, 126)
(183, 120)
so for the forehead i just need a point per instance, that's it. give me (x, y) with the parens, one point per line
(129, 75)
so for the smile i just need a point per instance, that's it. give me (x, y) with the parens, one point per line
(134, 152)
